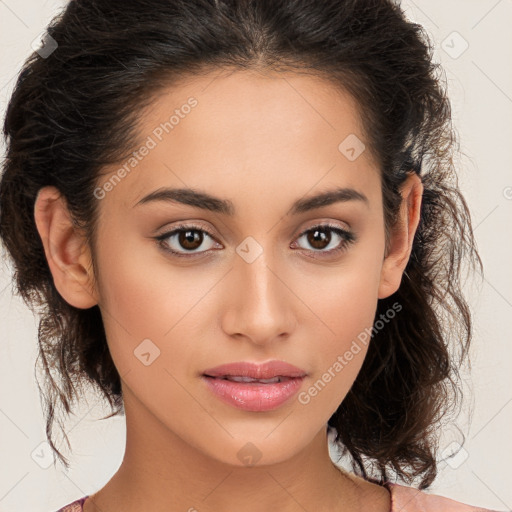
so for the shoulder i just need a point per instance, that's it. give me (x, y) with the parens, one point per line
(409, 499)
(76, 506)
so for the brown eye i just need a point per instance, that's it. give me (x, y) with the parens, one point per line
(186, 241)
(190, 239)
(321, 237)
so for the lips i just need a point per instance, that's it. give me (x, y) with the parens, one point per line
(254, 387)
(272, 371)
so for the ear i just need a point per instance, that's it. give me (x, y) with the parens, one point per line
(401, 236)
(65, 248)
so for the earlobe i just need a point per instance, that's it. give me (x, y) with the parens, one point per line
(402, 237)
(65, 248)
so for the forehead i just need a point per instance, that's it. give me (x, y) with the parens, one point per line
(228, 101)
(244, 127)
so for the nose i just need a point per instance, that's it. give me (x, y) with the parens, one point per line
(260, 302)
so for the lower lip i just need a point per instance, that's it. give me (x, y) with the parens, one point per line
(254, 396)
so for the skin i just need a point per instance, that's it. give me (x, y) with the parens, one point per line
(261, 141)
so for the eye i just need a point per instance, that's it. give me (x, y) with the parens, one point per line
(184, 239)
(320, 237)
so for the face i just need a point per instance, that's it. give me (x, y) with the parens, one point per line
(257, 272)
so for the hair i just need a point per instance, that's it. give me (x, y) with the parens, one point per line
(74, 111)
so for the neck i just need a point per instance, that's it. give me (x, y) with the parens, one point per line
(162, 472)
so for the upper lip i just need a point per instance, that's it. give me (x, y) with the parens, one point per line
(266, 370)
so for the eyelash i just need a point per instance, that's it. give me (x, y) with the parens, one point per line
(348, 238)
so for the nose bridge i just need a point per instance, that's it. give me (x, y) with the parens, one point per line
(259, 280)
(259, 304)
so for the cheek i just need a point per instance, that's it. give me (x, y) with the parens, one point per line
(343, 298)
(141, 301)
(343, 304)
(349, 311)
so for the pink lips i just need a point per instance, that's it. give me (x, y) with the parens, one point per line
(270, 384)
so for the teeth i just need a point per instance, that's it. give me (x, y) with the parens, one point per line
(235, 378)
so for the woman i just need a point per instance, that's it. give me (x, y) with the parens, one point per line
(241, 222)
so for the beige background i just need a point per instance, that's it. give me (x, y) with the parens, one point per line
(480, 86)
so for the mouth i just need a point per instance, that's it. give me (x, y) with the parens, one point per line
(250, 380)
(254, 387)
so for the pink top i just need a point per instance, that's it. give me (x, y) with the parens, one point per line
(403, 499)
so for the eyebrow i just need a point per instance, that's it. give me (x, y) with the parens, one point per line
(214, 204)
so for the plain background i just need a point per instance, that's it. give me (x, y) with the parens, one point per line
(473, 42)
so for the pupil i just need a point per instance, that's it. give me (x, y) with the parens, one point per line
(190, 239)
(319, 239)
